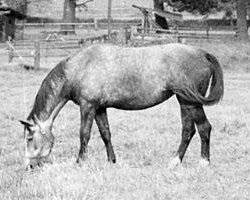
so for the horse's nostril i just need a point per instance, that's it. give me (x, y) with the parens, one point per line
(39, 164)
(29, 167)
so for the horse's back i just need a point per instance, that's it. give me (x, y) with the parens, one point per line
(138, 76)
(144, 59)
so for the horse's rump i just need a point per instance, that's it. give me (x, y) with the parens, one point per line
(195, 94)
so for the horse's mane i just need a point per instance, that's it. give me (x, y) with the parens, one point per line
(48, 89)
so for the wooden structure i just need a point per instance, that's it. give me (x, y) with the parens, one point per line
(148, 20)
(22, 49)
(8, 17)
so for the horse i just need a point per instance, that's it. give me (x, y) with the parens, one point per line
(129, 78)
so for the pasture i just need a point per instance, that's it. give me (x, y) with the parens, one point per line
(144, 143)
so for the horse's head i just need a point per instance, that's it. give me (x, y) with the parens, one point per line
(38, 142)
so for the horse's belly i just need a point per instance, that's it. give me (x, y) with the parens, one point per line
(140, 102)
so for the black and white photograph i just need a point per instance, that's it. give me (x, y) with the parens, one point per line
(124, 99)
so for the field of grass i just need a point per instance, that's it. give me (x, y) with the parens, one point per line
(144, 143)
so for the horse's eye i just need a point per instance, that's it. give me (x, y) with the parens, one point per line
(29, 139)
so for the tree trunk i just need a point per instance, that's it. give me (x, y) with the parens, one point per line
(69, 12)
(161, 21)
(109, 18)
(242, 19)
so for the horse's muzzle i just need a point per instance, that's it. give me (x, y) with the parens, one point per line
(31, 164)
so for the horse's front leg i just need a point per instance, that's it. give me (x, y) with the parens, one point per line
(87, 116)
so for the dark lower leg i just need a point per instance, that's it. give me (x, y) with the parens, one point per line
(188, 130)
(103, 125)
(87, 117)
(84, 139)
(186, 138)
(204, 129)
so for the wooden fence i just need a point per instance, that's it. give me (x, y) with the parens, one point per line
(95, 25)
(47, 30)
(51, 48)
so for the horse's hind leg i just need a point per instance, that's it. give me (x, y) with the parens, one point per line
(87, 117)
(204, 129)
(103, 125)
(193, 114)
(188, 131)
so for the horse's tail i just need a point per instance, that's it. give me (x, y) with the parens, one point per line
(191, 94)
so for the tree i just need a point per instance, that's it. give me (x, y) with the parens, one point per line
(69, 9)
(205, 6)
(69, 13)
(200, 6)
(40, 8)
(19, 5)
(242, 19)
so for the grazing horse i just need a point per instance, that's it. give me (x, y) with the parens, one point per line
(103, 76)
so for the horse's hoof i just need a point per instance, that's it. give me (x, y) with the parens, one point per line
(204, 163)
(80, 160)
(174, 162)
(112, 160)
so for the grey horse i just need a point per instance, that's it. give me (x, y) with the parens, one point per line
(103, 76)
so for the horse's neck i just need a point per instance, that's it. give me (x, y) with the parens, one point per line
(50, 116)
(50, 98)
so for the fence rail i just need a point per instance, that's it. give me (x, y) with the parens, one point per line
(59, 28)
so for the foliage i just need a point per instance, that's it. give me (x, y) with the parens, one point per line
(22, 5)
(19, 5)
(39, 6)
(201, 6)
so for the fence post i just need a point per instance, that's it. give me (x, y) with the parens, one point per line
(109, 18)
(23, 28)
(127, 33)
(95, 24)
(179, 39)
(11, 54)
(207, 31)
(37, 55)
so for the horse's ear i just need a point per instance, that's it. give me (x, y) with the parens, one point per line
(26, 123)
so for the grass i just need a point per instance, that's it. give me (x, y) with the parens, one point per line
(144, 142)
(233, 55)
